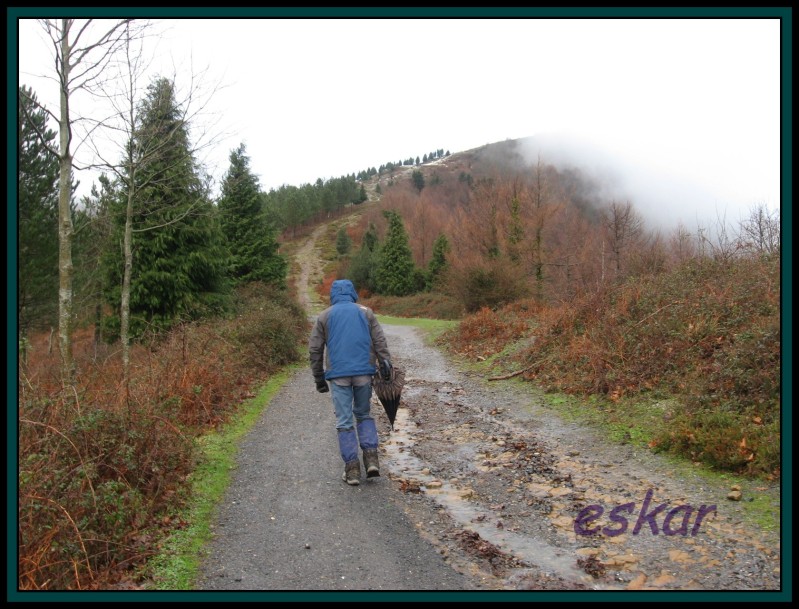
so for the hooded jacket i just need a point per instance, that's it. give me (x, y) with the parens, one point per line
(349, 336)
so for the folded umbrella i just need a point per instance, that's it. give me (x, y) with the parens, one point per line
(389, 391)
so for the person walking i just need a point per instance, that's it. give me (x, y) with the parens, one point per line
(347, 347)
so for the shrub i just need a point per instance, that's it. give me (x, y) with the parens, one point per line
(101, 468)
(707, 333)
(492, 286)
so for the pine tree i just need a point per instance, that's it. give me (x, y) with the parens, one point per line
(178, 246)
(37, 288)
(252, 242)
(395, 271)
(438, 262)
(343, 242)
(361, 270)
(418, 179)
(370, 240)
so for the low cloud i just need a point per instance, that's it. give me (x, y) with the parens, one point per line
(664, 196)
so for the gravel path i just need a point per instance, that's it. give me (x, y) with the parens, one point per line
(290, 523)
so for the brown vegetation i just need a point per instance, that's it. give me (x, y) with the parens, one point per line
(600, 303)
(706, 333)
(102, 469)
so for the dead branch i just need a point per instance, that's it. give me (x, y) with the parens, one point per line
(671, 304)
(512, 374)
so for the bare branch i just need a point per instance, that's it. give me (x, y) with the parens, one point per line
(671, 304)
(512, 374)
(170, 222)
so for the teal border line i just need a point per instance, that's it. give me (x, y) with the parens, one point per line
(426, 12)
(12, 416)
(786, 293)
(785, 14)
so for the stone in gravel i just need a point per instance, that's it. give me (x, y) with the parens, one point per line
(734, 495)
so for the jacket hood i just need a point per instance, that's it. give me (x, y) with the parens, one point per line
(342, 290)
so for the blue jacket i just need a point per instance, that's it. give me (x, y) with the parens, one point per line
(349, 333)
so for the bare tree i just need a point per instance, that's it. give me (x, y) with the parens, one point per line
(137, 147)
(760, 232)
(540, 205)
(539, 196)
(720, 242)
(682, 244)
(515, 234)
(477, 222)
(624, 226)
(82, 50)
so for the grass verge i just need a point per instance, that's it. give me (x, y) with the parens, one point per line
(177, 565)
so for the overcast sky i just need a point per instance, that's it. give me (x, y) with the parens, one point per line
(689, 107)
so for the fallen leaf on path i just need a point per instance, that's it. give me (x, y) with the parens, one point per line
(563, 522)
(680, 556)
(664, 579)
(620, 560)
(637, 583)
(539, 490)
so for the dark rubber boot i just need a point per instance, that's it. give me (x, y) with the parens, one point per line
(370, 463)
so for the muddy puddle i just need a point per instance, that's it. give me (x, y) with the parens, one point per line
(453, 496)
(514, 492)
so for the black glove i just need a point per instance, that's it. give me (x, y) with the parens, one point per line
(385, 370)
(321, 386)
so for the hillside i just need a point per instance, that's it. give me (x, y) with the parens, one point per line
(560, 286)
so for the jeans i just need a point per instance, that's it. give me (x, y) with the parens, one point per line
(349, 400)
